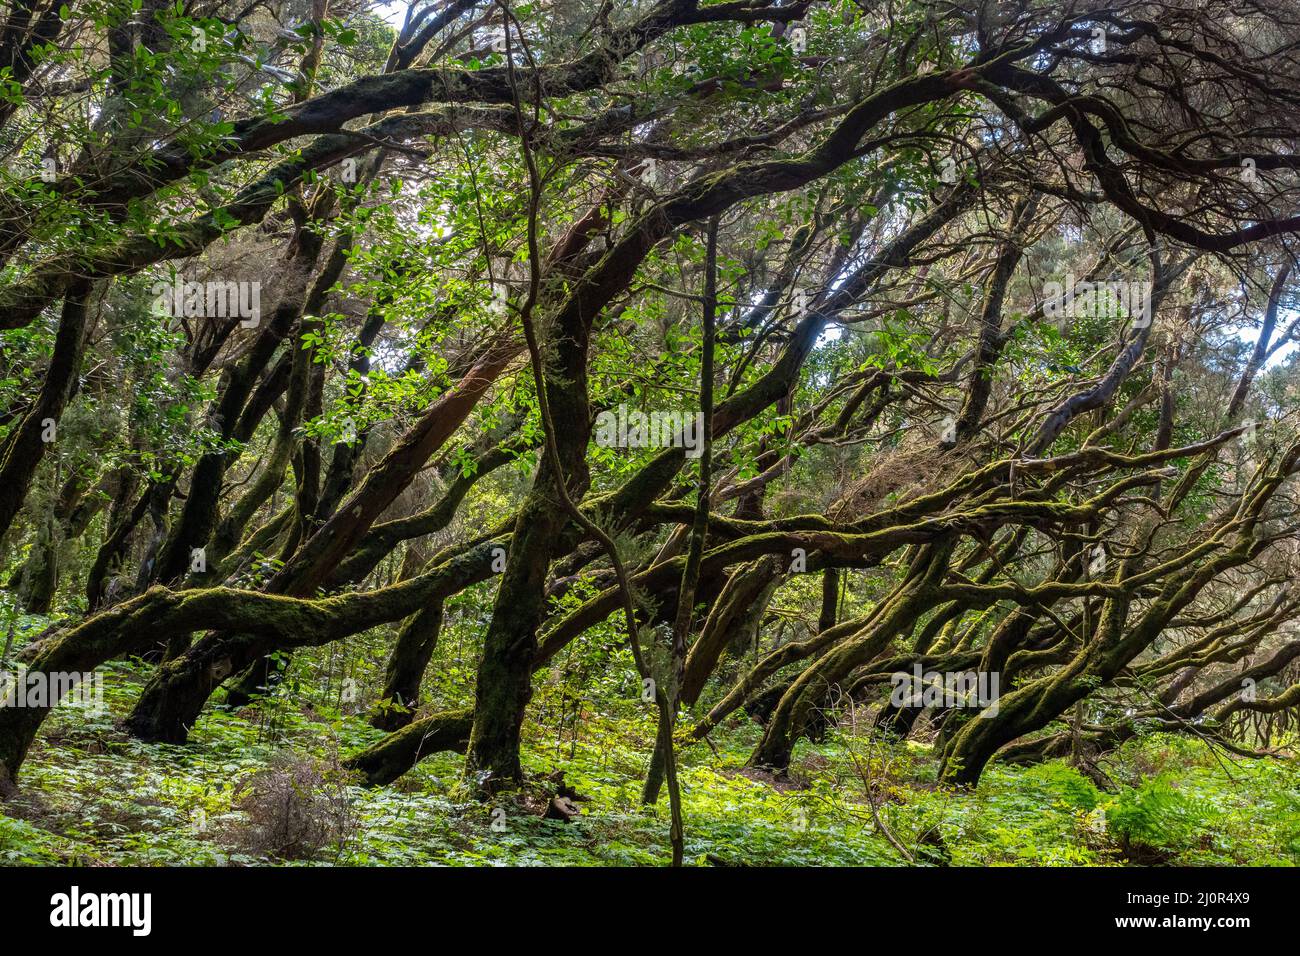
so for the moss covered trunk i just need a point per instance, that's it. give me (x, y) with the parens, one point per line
(397, 753)
(809, 691)
(410, 656)
(26, 445)
(504, 683)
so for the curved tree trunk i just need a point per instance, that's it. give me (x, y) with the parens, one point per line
(406, 665)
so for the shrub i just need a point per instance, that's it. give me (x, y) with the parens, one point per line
(1153, 816)
(296, 808)
(1066, 784)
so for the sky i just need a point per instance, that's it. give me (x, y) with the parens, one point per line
(394, 13)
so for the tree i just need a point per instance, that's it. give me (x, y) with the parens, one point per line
(651, 314)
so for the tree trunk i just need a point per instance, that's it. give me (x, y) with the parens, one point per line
(406, 665)
(30, 439)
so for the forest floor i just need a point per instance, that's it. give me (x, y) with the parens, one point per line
(262, 786)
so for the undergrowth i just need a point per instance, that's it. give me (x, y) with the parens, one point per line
(234, 796)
